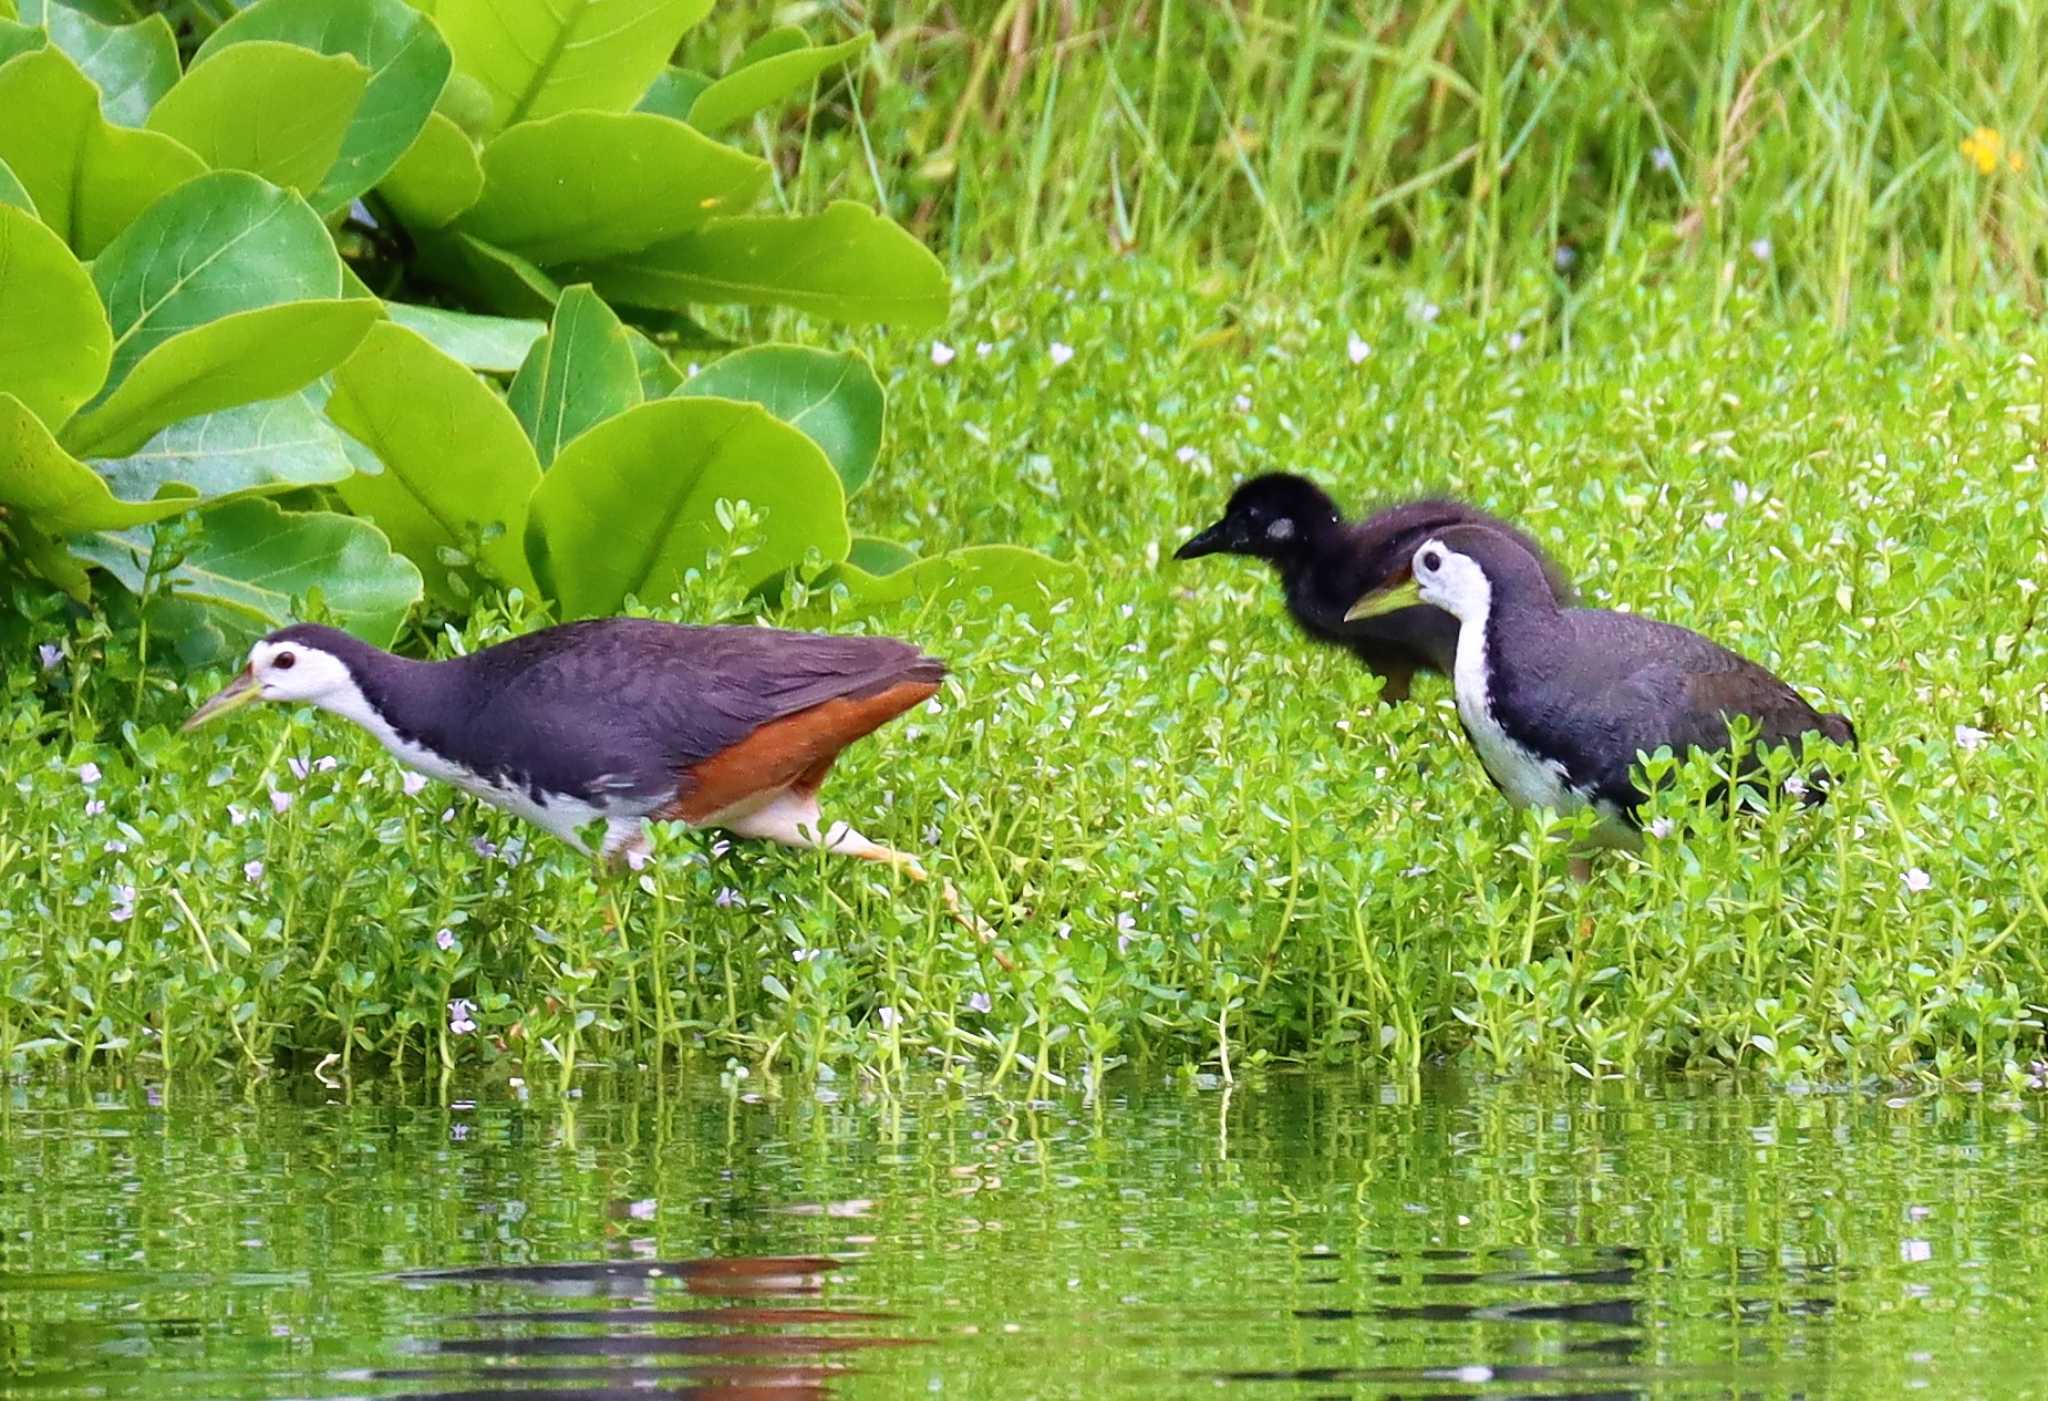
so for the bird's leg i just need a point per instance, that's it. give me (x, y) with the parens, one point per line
(792, 818)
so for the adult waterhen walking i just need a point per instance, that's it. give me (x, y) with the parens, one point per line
(1326, 562)
(617, 719)
(1558, 701)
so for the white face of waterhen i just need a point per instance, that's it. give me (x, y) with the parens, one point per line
(286, 671)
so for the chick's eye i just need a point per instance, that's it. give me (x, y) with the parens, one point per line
(283, 661)
(1432, 561)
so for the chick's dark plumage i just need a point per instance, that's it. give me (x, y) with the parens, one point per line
(1326, 563)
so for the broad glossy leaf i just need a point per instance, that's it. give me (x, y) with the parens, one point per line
(590, 184)
(249, 450)
(772, 43)
(746, 90)
(54, 338)
(54, 490)
(408, 65)
(493, 344)
(241, 358)
(52, 559)
(848, 264)
(576, 376)
(457, 467)
(89, 179)
(873, 555)
(630, 507)
(437, 178)
(223, 243)
(272, 109)
(543, 57)
(835, 400)
(486, 275)
(20, 39)
(659, 376)
(672, 92)
(252, 560)
(11, 193)
(132, 64)
(982, 578)
(8, 11)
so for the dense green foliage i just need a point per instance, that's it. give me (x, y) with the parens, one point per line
(1737, 321)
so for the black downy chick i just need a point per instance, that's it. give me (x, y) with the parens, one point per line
(1326, 563)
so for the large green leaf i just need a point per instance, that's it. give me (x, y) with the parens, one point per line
(54, 338)
(494, 344)
(983, 577)
(249, 450)
(672, 93)
(437, 178)
(659, 376)
(223, 243)
(89, 179)
(848, 263)
(835, 400)
(458, 471)
(19, 39)
(132, 64)
(241, 358)
(538, 58)
(748, 89)
(54, 490)
(576, 376)
(587, 185)
(408, 65)
(11, 192)
(272, 109)
(631, 506)
(253, 560)
(486, 275)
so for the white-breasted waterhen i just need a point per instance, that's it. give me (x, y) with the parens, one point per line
(1558, 701)
(1326, 562)
(617, 719)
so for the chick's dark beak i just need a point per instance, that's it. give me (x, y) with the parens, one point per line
(1215, 540)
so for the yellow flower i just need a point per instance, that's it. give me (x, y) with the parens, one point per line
(1981, 148)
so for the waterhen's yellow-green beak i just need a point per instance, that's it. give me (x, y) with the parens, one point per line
(1389, 597)
(233, 696)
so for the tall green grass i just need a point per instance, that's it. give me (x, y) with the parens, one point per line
(1452, 146)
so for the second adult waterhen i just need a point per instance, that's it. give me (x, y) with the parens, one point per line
(1326, 562)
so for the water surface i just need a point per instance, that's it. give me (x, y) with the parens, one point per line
(1294, 1238)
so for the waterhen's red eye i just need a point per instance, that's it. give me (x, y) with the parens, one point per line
(283, 661)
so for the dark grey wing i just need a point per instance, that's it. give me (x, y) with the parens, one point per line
(623, 706)
(1669, 686)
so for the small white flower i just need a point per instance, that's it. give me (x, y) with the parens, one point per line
(1661, 159)
(1970, 737)
(979, 1002)
(88, 773)
(1430, 311)
(887, 1017)
(412, 782)
(1564, 256)
(115, 848)
(280, 802)
(942, 354)
(486, 849)
(447, 814)
(444, 940)
(1516, 340)
(237, 814)
(726, 898)
(1185, 454)
(326, 763)
(642, 1210)
(459, 1022)
(636, 857)
(1126, 930)
(94, 807)
(1355, 348)
(252, 871)
(1760, 249)
(1917, 880)
(1716, 519)
(124, 904)
(50, 655)
(1795, 786)
(984, 349)
(720, 847)
(1242, 403)
(1660, 827)
(932, 835)
(1061, 352)
(300, 768)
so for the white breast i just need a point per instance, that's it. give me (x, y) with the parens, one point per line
(1528, 779)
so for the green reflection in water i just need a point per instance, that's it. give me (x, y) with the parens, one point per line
(1299, 1237)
